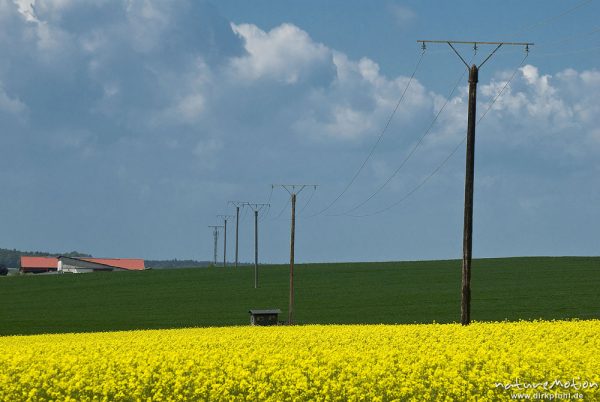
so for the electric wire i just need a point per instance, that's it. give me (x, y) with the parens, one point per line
(551, 19)
(283, 209)
(266, 214)
(567, 52)
(262, 217)
(450, 155)
(571, 38)
(385, 127)
(525, 29)
(562, 40)
(411, 153)
(308, 201)
(244, 213)
(503, 88)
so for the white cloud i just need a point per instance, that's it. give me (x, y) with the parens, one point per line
(26, 9)
(298, 84)
(11, 105)
(358, 102)
(562, 110)
(186, 102)
(402, 14)
(162, 93)
(333, 97)
(147, 22)
(191, 106)
(286, 53)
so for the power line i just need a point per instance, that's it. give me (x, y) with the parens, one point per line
(450, 155)
(504, 87)
(385, 127)
(575, 51)
(467, 249)
(255, 206)
(410, 154)
(309, 200)
(564, 40)
(264, 216)
(571, 37)
(550, 19)
(524, 29)
(245, 212)
(282, 209)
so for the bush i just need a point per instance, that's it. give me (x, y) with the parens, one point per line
(3, 270)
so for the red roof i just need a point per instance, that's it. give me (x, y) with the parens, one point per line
(125, 263)
(132, 264)
(39, 262)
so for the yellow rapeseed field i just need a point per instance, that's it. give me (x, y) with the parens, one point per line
(484, 361)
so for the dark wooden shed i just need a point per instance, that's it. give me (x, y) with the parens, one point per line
(264, 317)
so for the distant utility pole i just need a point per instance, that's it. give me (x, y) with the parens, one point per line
(237, 205)
(293, 190)
(224, 218)
(465, 306)
(256, 208)
(216, 238)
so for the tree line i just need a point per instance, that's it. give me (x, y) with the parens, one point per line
(12, 259)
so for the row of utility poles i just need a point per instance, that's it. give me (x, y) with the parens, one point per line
(294, 189)
(256, 208)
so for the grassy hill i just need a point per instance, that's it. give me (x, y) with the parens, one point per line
(390, 292)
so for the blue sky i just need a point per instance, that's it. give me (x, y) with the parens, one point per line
(128, 125)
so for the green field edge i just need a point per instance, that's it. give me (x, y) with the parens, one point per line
(387, 292)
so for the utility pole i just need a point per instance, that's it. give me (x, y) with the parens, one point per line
(237, 205)
(224, 218)
(216, 239)
(465, 305)
(291, 189)
(256, 208)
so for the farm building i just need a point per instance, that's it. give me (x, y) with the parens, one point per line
(38, 265)
(64, 264)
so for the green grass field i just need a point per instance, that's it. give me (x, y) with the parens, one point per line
(391, 292)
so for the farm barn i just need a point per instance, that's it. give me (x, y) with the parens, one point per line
(36, 265)
(79, 265)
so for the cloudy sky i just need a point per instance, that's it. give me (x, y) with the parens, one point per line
(127, 125)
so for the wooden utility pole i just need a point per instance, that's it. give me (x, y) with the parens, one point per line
(292, 243)
(216, 239)
(237, 205)
(291, 189)
(225, 218)
(225, 243)
(237, 231)
(255, 249)
(256, 208)
(465, 305)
